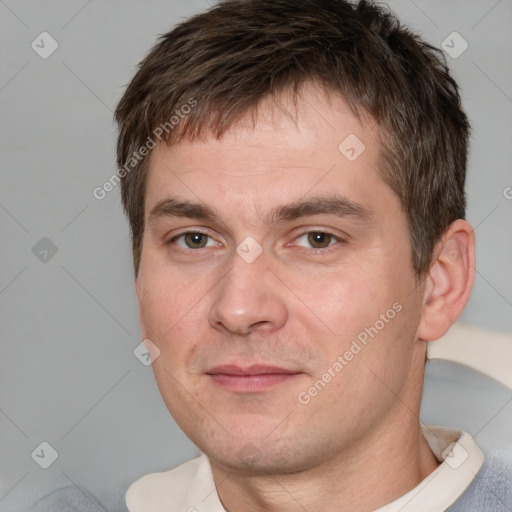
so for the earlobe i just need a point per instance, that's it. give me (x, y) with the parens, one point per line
(449, 281)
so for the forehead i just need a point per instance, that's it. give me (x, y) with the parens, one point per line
(286, 151)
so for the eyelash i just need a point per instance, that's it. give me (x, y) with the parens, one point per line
(314, 250)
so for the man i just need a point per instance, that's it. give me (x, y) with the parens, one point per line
(293, 174)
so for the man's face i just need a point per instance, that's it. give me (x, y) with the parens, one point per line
(266, 255)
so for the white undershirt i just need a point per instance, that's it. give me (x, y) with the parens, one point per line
(191, 488)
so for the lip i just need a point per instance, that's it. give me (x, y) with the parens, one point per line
(253, 369)
(250, 379)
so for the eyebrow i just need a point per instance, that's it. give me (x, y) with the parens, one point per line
(328, 205)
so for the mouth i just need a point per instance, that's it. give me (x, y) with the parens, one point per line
(250, 379)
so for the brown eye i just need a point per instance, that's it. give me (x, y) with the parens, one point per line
(319, 240)
(195, 240)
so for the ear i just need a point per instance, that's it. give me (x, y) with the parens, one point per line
(449, 281)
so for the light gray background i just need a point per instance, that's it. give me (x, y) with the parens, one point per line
(69, 325)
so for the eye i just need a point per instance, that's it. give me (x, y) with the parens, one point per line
(193, 240)
(317, 239)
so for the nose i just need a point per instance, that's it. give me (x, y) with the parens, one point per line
(248, 298)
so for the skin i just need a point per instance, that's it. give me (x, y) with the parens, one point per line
(299, 305)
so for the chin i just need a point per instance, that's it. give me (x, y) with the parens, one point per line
(252, 454)
(275, 460)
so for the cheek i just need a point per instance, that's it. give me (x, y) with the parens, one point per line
(370, 317)
(344, 300)
(166, 298)
(154, 306)
(173, 314)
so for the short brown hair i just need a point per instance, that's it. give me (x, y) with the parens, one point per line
(227, 59)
